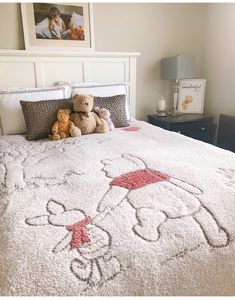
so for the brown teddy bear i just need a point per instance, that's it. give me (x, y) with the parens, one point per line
(63, 126)
(84, 119)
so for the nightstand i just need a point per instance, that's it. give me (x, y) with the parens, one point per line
(226, 133)
(197, 126)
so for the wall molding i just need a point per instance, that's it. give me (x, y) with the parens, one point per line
(20, 68)
(26, 53)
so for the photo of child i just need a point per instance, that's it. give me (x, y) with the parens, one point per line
(61, 22)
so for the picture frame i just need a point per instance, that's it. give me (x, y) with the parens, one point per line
(58, 26)
(191, 95)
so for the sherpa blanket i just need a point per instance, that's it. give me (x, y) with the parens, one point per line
(138, 211)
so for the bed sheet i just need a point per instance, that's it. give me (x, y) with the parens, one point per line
(137, 211)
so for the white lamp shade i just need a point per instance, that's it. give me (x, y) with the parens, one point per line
(177, 67)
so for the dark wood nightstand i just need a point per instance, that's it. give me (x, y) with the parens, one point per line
(197, 126)
(226, 133)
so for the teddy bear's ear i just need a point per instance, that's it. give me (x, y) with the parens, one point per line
(74, 96)
(59, 112)
(69, 111)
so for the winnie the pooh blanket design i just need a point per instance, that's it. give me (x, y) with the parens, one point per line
(136, 212)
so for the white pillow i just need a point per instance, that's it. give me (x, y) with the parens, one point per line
(11, 114)
(101, 90)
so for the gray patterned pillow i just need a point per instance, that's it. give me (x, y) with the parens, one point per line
(117, 107)
(41, 115)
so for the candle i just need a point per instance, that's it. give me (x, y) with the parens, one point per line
(161, 105)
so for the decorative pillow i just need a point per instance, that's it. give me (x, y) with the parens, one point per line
(102, 90)
(12, 118)
(116, 106)
(41, 115)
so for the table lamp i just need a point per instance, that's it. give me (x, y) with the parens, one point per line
(175, 68)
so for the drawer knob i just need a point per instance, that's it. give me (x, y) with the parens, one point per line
(203, 129)
(179, 131)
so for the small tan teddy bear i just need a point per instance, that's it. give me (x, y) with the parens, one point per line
(86, 120)
(62, 127)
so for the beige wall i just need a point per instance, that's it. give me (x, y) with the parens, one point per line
(219, 59)
(11, 30)
(156, 30)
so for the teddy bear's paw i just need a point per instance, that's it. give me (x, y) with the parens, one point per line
(75, 132)
(56, 137)
(101, 128)
(63, 135)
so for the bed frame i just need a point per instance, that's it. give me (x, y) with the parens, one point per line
(20, 68)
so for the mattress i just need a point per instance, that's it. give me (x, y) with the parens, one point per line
(137, 211)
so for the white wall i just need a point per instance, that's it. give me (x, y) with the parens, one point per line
(156, 30)
(219, 59)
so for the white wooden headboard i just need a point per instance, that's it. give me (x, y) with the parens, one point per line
(20, 68)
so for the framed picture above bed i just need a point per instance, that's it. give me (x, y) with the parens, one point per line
(62, 26)
(191, 95)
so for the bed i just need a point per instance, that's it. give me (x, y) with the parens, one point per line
(136, 211)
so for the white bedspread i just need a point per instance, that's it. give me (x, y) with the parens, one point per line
(141, 212)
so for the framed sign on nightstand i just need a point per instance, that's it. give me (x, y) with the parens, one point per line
(191, 95)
